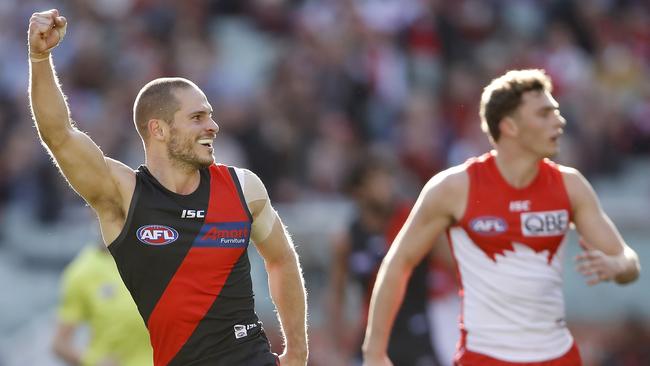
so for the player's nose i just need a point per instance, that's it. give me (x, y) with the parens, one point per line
(213, 126)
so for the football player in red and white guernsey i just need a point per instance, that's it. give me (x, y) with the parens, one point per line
(506, 214)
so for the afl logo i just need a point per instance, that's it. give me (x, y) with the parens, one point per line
(488, 225)
(156, 234)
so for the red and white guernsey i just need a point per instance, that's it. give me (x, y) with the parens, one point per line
(508, 247)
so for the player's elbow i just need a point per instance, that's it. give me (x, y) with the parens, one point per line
(626, 278)
(631, 273)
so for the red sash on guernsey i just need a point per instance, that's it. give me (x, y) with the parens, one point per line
(200, 278)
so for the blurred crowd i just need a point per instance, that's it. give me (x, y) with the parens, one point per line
(303, 89)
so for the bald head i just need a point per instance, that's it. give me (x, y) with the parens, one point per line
(157, 100)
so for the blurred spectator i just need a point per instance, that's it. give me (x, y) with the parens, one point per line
(376, 64)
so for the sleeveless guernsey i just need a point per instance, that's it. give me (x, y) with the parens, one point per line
(508, 247)
(184, 260)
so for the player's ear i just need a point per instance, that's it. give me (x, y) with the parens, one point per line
(157, 129)
(508, 126)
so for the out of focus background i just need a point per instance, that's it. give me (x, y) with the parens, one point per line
(303, 90)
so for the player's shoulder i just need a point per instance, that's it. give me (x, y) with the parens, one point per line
(570, 175)
(123, 175)
(246, 176)
(120, 170)
(252, 186)
(567, 170)
(450, 182)
(577, 186)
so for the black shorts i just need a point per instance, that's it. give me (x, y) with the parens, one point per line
(254, 352)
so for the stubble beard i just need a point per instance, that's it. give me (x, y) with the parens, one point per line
(182, 154)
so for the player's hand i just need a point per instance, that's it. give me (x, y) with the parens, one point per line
(597, 266)
(46, 30)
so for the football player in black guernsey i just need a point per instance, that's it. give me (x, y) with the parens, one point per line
(178, 226)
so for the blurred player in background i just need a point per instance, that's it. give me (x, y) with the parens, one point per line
(357, 255)
(93, 295)
(180, 225)
(443, 303)
(506, 214)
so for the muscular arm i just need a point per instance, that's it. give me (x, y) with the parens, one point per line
(287, 291)
(433, 212)
(286, 284)
(96, 178)
(607, 256)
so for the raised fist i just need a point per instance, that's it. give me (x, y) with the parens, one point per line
(46, 30)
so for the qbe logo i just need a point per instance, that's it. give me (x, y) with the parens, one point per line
(544, 223)
(156, 234)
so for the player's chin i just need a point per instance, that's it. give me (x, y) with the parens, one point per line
(552, 152)
(205, 162)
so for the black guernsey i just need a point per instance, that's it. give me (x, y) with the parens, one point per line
(184, 260)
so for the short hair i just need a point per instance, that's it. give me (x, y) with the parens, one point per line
(157, 100)
(503, 96)
(363, 167)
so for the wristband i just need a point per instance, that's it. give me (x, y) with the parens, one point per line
(35, 58)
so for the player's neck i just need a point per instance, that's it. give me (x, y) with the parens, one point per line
(518, 169)
(181, 179)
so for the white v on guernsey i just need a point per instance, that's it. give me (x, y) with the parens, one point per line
(508, 247)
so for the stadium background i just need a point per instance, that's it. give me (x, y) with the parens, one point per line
(303, 88)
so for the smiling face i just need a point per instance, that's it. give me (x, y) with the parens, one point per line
(192, 130)
(538, 124)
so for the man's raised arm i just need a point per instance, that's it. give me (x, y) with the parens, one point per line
(79, 158)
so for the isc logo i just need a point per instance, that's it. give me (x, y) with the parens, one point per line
(156, 234)
(193, 214)
(544, 223)
(488, 225)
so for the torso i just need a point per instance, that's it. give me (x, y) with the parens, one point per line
(184, 260)
(508, 244)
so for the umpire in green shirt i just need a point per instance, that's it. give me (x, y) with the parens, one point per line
(93, 294)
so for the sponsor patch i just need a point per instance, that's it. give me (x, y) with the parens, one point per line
(241, 330)
(157, 234)
(488, 225)
(224, 235)
(544, 223)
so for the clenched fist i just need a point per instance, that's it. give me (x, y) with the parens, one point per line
(46, 30)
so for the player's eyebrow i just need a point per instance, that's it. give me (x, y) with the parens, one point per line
(202, 111)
